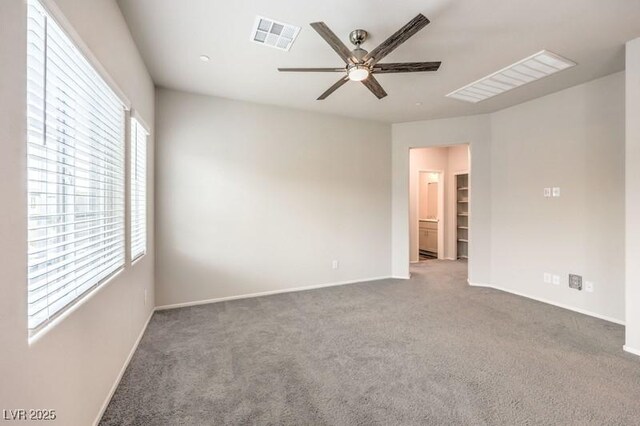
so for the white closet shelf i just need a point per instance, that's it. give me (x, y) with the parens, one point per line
(462, 211)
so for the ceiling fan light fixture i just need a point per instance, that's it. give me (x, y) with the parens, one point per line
(358, 72)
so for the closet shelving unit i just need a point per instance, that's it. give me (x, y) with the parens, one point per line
(462, 211)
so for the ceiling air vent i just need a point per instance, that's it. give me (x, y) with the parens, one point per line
(273, 33)
(535, 67)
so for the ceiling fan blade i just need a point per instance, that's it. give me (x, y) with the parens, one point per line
(406, 67)
(335, 43)
(311, 69)
(399, 37)
(373, 85)
(333, 88)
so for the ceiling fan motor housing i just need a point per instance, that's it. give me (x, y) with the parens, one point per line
(359, 53)
(358, 37)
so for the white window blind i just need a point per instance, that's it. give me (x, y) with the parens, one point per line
(75, 161)
(138, 189)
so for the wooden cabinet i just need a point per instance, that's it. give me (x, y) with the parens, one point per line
(423, 237)
(428, 236)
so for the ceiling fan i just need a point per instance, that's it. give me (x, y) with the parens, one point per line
(361, 65)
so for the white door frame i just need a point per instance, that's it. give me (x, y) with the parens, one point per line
(441, 209)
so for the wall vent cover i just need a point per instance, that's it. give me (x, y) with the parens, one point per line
(272, 33)
(535, 67)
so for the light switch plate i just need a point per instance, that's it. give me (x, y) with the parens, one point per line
(547, 192)
(547, 278)
(556, 191)
(556, 279)
(588, 286)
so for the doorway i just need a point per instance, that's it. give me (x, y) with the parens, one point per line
(430, 206)
(439, 203)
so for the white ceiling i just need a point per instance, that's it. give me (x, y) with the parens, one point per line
(472, 39)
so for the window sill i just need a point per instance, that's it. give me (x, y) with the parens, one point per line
(138, 258)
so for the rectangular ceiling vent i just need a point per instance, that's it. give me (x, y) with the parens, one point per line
(269, 32)
(535, 67)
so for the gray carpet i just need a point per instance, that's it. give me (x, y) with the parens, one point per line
(430, 350)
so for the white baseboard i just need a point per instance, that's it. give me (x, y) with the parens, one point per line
(478, 284)
(401, 277)
(266, 293)
(631, 350)
(122, 370)
(551, 302)
(414, 261)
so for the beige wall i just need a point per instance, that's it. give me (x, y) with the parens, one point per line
(633, 196)
(425, 207)
(428, 199)
(573, 139)
(72, 367)
(255, 198)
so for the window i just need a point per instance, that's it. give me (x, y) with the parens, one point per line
(138, 189)
(75, 168)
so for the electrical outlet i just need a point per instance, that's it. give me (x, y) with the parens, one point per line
(575, 281)
(547, 278)
(547, 192)
(588, 286)
(556, 280)
(335, 264)
(556, 191)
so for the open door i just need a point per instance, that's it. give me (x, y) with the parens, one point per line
(430, 207)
